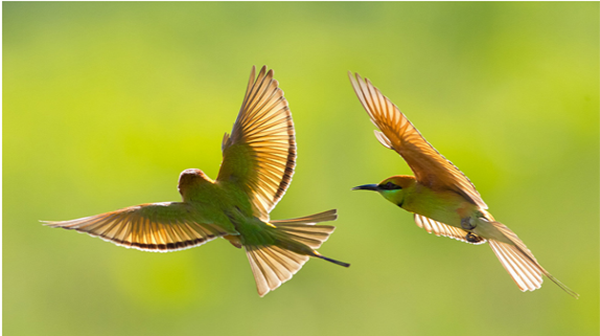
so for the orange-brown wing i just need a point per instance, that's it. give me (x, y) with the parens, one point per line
(397, 133)
(157, 227)
(260, 154)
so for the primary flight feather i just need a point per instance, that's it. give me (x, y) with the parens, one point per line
(441, 197)
(258, 163)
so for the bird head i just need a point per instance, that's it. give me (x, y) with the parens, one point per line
(392, 188)
(191, 177)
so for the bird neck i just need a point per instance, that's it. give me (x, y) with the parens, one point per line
(195, 186)
(395, 196)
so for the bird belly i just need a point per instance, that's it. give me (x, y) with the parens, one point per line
(445, 207)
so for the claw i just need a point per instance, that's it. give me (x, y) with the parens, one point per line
(471, 238)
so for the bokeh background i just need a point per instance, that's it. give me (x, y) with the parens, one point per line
(104, 104)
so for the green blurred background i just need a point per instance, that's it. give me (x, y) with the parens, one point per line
(104, 104)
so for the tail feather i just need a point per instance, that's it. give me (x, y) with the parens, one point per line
(337, 262)
(520, 263)
(525, 273)
(272, 266)
(304, 231)
(295, 241)
(311, 236)
(325, 216)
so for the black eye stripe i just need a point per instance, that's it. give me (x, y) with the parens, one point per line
(389, 186)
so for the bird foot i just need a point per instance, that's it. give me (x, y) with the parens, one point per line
(467, 224)
(471, 238)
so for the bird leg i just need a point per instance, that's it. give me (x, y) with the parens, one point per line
(467, 224)
(471, 238)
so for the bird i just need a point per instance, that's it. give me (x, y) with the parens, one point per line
(442, 199)
(259, 158)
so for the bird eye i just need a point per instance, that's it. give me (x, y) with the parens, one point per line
(390, 186)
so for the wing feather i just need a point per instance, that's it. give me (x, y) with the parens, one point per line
(444, 230)
(260, 153)
(397, 133)
(148, 227)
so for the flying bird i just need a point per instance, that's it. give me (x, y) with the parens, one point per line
(259, 158)
(440, 196)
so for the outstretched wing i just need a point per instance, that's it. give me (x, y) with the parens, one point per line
(397, 133)
(445, 230)
(153, 227)
(260, 154)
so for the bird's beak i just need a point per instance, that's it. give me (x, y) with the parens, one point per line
(374, 187)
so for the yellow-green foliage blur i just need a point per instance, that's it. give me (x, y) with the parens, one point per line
(104, 104)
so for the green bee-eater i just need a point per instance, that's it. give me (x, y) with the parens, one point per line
(258, 163)
(441, 197)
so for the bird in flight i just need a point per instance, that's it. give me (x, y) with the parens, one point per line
(441, 197)
(259, 158)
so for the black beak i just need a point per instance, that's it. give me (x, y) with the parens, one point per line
(374, 187)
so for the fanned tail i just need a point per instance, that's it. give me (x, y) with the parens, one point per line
(272, 266)
(295, 241)
(520, 263)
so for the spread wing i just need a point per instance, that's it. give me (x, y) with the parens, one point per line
(445, 230)
(397, 133)
(260, 154)
(148, 227)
